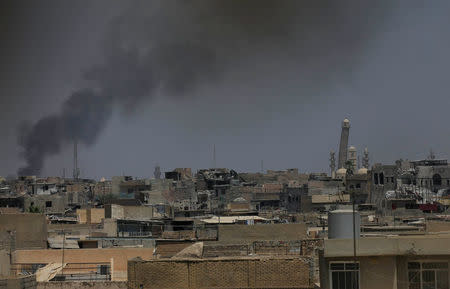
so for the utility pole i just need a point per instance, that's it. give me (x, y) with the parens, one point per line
(353, 195)
(62, 259)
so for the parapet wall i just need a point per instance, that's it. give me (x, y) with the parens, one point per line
(82, 285)
(271, 232)
(288, 272)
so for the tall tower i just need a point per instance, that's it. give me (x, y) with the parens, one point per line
(333, 164)
(157, 172)
(76, 170)
(352, 157)
(365, 160)
(343, 145)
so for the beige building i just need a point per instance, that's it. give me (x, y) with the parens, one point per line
(400, 262)
(29, 231)
(115, 259)
(90, 215)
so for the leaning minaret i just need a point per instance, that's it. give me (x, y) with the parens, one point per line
(343, 146)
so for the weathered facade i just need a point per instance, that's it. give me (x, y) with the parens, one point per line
(231, 272)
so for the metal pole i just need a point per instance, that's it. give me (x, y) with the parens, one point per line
(354, 240)
(62, 261)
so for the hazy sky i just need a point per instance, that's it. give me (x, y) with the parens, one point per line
(272, 97)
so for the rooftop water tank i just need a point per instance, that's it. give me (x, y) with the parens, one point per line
(340, 224)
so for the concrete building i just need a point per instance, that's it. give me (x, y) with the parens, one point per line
(115, 259)
(384, 178)
(47, 204)
(29, 231)
(359, 185)
(401, 262)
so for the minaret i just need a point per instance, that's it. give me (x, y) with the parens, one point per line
(333, 164)
(343, 146)
(352, 156)
(157, 172)
(365, 160)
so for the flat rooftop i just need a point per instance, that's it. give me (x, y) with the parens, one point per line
(430, 244)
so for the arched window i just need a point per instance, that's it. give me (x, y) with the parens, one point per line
(437, 180)
(375, 178)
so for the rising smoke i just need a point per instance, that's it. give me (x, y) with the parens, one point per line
(171, 47)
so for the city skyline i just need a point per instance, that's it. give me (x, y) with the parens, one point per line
(269, 107)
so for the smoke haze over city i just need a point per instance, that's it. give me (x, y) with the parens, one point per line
(162, 81)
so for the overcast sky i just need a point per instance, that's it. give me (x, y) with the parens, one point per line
(268, 102)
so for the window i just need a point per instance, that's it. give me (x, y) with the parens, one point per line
(381, 179)
(48, 204)
(344, 275)
(103, 270)
(375, 178)
(428, 275)
(358, 186)
(437, 180)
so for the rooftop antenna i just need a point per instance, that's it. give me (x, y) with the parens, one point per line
(262, 166)
(76, 170)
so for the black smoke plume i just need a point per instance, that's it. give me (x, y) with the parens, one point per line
(174, 46)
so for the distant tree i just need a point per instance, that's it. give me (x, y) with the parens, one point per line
(33, 209)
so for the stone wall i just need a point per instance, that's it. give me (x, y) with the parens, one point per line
(81, 285)
(249, 233)
(221, 273)
(30, 230)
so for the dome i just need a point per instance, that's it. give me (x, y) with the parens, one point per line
(341, 173)
(362, 171)
(352, 148)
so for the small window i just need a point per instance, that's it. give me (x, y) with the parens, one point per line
(48, 204)
(344, 275)
(103, 269)
(358, 186)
